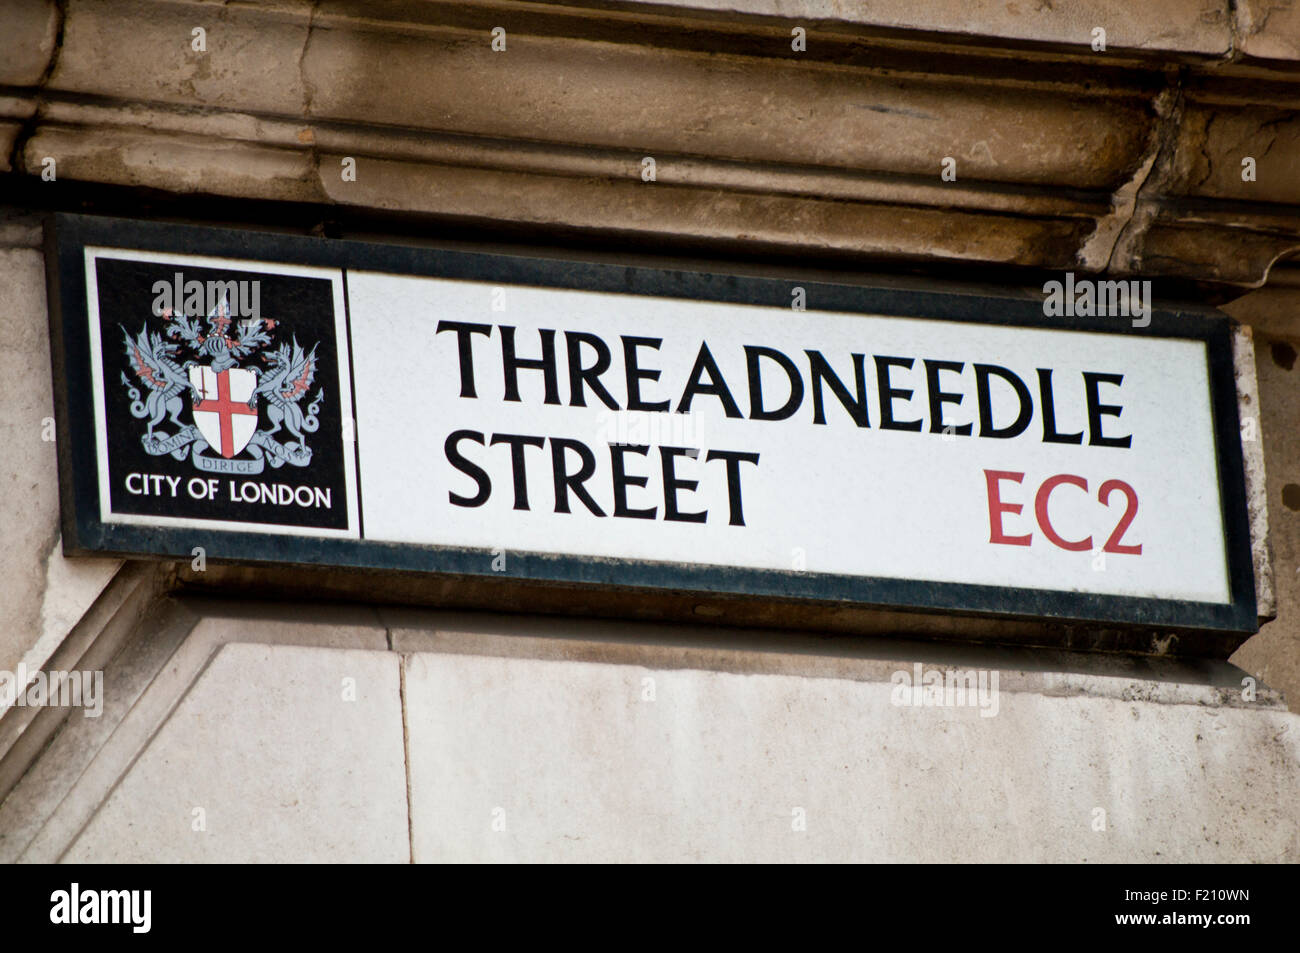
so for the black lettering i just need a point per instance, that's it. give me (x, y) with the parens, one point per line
(465, 347)
(982, 372)
(889, 394)
(938, 397)
(590, 376)
(717, 387)
(565, 481)
(635, 374)
(1096, 410)
(821, 371)
(511, 364)
(471, 470)
(672, 485)
(734, 459)
(517, 443)
(1048, 403)
(622, 481)
(756, 411)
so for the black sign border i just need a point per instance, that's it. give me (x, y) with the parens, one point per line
(85, 533)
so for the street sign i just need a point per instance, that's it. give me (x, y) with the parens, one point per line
(279, 399)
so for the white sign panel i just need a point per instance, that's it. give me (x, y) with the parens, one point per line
(465, 413)
(1120, 496)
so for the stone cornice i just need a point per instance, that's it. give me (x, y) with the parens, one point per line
(1127, 161)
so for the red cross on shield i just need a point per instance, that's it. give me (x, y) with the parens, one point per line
(223, 415)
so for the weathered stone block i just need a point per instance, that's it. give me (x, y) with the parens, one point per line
(526, 760)
(281, 765)
(42, 594)
(681, 104)
(27, 40)
(176, 163)
(146, 51)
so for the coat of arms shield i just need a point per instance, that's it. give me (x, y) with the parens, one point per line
(224, 416)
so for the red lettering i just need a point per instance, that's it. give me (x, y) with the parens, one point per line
(1045, 522)
(996, 508)
(1113, 544)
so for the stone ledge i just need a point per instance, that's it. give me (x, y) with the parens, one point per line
(1192, 26)
(1052, 144)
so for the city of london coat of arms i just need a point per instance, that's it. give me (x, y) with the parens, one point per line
(210, 368)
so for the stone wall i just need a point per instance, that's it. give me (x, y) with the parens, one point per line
(43, 595)
(250, 734)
